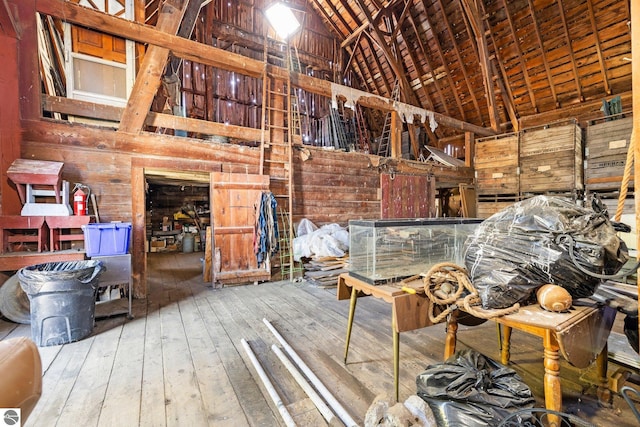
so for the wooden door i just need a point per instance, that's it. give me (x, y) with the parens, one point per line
(407, 196)
(235, 200)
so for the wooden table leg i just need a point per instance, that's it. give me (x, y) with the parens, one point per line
(602, 364)
(505, 353)
(552, 385)
(396, 355)
(352, 311)
(450, 339)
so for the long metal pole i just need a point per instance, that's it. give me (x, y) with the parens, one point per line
(268, 385)
(335, 405)
(302, 382)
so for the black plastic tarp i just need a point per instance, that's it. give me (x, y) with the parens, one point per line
(539, 241)
(469, 389)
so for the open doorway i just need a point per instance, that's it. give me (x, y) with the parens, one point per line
(177, 212)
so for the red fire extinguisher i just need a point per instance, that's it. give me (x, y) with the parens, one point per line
(80, 200)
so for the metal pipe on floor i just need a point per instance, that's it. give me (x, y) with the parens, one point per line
(288, 420)
(335, 405)
(315, 397)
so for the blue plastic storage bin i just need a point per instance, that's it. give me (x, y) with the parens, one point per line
(102, 239)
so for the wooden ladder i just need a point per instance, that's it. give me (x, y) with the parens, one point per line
(385, 138)
(276, 148)
(363, 144)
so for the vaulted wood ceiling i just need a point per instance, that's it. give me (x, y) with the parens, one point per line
(537, 55)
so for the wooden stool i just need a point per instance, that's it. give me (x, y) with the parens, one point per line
(13, 228)
(25, 172)
(71, 223)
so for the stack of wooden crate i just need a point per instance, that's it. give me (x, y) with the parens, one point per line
(551, 159)
(540, 160)
(497, 174)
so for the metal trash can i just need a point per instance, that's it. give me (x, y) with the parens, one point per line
(62, 297)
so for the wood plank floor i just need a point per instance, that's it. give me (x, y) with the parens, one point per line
(180, 361)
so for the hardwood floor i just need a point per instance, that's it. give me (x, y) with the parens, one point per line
(180, 361)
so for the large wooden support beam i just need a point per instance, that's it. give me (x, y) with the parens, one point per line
(148, 78)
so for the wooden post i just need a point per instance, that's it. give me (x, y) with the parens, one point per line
(396, 135)
(469, 148)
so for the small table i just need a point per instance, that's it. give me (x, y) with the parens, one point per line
(580, 335)
(409, 310)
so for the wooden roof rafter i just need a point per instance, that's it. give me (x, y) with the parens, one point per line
(327, 17)
(505, 90)
(547, 68)
(521, 60)
(424, 48)
(372, 45)
(572, 58)
(416, 64)
(395, 65)
(472, 13)
(443, 60)
(594, 28)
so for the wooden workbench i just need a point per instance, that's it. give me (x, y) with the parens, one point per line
(580, 335)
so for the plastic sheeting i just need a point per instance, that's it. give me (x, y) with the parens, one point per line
(330, 240)
(469, 389)
(530, 243)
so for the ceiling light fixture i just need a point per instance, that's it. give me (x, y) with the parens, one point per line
(282, 19)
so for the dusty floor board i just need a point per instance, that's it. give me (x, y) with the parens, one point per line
(183, 349)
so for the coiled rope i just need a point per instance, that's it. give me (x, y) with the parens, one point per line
(444, 285)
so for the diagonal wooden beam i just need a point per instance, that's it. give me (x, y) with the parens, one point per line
(501, 77)
(594, 29)
(186, 29)
(473, 16)
(565, 29)
(427, 53)
(440, 52)
(151, 69)
(523, 64)
(391, 60)
(547, 68)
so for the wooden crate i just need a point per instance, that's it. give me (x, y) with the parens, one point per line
(496, 164)
(551, 159)
(606, 148)
(488, 205)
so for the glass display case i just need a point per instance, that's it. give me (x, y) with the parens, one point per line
(389, 250)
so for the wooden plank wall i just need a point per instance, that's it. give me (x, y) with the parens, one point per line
(407, 196)
(335, 186)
